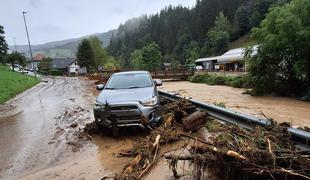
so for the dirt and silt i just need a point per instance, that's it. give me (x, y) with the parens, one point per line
(42, 137)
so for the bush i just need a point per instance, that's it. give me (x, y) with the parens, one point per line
(199, 78)
(210, 79)
(56, 72)
(238, 82)
(44, 72)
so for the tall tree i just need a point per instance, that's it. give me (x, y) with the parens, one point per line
(100, 54)
(283, 62)
(85, 55)
(3, 45)
(16, 57)
(242, 20)
(136, 59)
(151, 56)
(219, 35)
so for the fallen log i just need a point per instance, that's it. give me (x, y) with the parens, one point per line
(195, 121)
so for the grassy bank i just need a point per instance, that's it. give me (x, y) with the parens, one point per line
(13, 83)
(213, 79)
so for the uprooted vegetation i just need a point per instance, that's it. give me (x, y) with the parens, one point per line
(235, 153)
(229, 152)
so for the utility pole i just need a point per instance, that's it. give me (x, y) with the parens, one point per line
(15, 45)
(34, 70)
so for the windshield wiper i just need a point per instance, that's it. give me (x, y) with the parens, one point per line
(109, 88)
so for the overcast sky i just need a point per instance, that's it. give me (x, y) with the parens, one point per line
(50, 20)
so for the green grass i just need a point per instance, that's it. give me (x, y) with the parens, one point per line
(13, 83)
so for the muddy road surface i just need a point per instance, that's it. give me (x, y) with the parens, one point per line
(39, 128)
(279, 108)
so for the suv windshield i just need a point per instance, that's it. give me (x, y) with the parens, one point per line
(128, 81)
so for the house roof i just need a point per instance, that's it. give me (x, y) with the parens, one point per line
(38, 57)
(207, 59)
(61, 63)
(236, 54)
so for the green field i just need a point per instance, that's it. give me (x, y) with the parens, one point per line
(13, 83)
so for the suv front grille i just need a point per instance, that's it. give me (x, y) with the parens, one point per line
(123, 108)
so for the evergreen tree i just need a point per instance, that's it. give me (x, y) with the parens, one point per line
(3, 45)
(151, 56)
(100, 54)
(85, 55)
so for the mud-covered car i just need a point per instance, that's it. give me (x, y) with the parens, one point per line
(128, 99)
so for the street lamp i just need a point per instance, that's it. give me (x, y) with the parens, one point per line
(34, 70)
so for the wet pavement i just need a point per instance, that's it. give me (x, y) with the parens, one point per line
(38, 128)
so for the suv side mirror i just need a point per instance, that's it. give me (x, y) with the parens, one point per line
(158, 82)
(100, 87)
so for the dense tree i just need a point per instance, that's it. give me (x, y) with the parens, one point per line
(181, 47)
(173, 26)
(151, 56)
(85, 55)
(219, 35)
(111, 64)
(100, 54)
(3, 45)
(45, 65)
(242, 20)
(283, 62)
(136, 59)
(16, 57)
(221, 23)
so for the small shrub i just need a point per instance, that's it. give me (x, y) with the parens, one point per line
(220, 104)
(56, 72)
(216, 80)
(238, 82)
(199, 78)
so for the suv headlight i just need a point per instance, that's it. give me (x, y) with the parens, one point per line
(99, 105)
(150, 102)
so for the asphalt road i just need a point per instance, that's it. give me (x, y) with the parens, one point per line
(35, 126)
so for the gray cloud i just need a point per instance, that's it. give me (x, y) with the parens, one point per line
(51, 20)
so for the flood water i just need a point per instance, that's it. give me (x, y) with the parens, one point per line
(280, 109)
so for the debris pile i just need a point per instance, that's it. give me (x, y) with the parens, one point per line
(227, 152)
(235, 153)
(146, 152)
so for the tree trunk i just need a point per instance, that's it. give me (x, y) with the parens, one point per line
(12, 64)
(195, 121)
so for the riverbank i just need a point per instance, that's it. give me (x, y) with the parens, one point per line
(13, 83)
(281, 109)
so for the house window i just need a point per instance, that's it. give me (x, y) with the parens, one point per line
(76, 70)
(75, 63)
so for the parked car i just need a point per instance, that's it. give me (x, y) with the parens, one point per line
(128, 99)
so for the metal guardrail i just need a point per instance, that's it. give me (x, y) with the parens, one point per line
(240, 119)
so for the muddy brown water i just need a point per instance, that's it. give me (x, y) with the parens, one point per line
(281, 109)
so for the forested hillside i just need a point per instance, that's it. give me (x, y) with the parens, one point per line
(63, 48)
(184, 34)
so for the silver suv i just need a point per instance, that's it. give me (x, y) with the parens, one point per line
(128, 99)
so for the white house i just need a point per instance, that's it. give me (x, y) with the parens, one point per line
(68, 65)
(232, 60)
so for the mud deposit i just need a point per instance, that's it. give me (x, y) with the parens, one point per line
(279, 108)
(39, 131)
